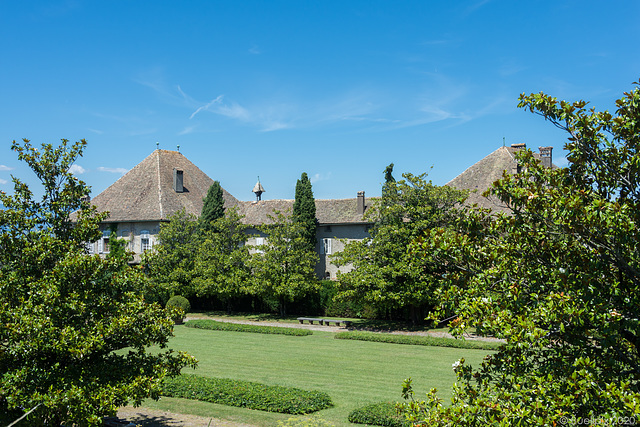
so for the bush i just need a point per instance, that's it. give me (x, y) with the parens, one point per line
(286, 400)
(418, 340)
(180, 303)
(237, 327)
(379, 414)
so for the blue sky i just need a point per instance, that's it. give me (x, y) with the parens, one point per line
(337, 89)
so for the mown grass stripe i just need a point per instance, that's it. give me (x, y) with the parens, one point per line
(417, 340)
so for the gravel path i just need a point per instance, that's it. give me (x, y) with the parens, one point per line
(146, 417)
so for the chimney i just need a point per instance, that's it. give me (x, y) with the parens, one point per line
(178, 182)
(360, 204)
(545, 156)
(519, 146)
(86, 198)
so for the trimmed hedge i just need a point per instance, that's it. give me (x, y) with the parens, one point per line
(417, 340)
(238, 327)
(379, 414)
(245, 394)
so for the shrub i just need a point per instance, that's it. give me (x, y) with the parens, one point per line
(418, 340)
(286, 400)
(379, 414)
(237, 327)
(180, 303)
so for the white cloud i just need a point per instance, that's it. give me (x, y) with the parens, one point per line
(254, 50)
(5, 168)
(205, 107)
(121, 171)
(77, 169)
(3, 181)
(187, 130)
(320, 177)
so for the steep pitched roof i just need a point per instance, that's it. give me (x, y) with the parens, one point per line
(146, 192)
(328, 211)
(480, 176)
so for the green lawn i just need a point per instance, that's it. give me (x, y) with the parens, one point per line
(354, 373)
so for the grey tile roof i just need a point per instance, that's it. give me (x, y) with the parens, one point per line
(480, 176)
(146, 193)
(328, 211)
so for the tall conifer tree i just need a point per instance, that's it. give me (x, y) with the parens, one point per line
(213, 207)
(304, 210)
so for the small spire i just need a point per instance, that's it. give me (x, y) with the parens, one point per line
(503, 141)
(157, 145)
(178, 148)
(258, 189)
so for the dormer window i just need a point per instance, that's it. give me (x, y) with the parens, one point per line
(178, 180)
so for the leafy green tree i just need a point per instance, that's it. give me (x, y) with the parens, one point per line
(283, 268)
(222, 267)
(75, 328)
(213, 207)
(170, 266)
(383, 273)
(558, 280)
(117, 247)
(304, 210)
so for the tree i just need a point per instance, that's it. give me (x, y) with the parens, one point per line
(384, 274)
(222, 261)
(283, 268)
(304, 210)
(558, 280)
(170, 266)
(213, 207)
(75, 327)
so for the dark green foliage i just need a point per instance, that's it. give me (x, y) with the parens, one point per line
(304, 210)
(284, 269)
(222, 261)
(558, 279)
(181, 304)
(388, 188)
(213, 207)
(286, 400)
(237, 327)
(117, 247)
(378, 414)
(170, 266)
(385, 276)
(75, 328)
(417, 340)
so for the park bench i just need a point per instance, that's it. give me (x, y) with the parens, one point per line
(310, 320)
(326, 322)
(338, 322)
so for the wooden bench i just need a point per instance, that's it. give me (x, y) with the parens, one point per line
(326, 322)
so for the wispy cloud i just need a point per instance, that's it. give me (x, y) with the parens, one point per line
(5, 168)
(77, 169)
(187, 130)
(205, 107)
(320, 177)
(254, 50)
(121, 171)
(99, 132)
(3, 181)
